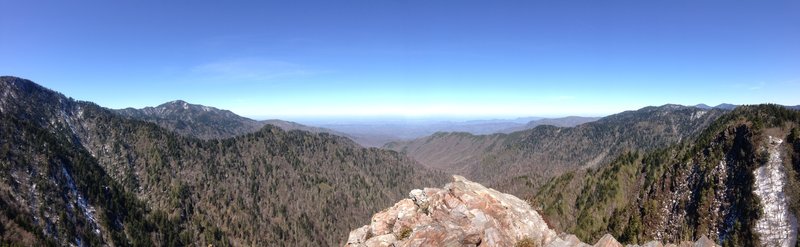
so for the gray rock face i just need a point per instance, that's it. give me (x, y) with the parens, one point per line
(465, 213)
(607, 241)
(419, 198)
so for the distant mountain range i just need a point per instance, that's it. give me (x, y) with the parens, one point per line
(208, 122)
(211, 123)
(381, 132)
(726, 106)
(570, 121)
(387, 131)
(723, 106)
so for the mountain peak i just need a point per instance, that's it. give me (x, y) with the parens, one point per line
(703, 106)
(723, 106)
(207, 122)
(175, 102)
(726, 106)
(194, 120)
(672, 106)
(181, 104)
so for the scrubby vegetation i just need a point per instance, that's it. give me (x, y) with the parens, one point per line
(527, 242)
(404, 233)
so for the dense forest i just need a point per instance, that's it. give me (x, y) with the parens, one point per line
(136, 183)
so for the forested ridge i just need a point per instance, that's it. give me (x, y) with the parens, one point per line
(270, 186)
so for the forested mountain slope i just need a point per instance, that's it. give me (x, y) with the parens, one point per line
(519, 161)
(737, 184)
(271, 187)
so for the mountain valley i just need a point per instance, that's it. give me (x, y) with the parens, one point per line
(412, 123)
(75, 173)
(520, 161)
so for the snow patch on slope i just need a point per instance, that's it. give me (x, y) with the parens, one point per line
(84, 206)
(777, 226)
(698, 115)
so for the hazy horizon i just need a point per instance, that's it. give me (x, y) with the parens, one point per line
(355, 119)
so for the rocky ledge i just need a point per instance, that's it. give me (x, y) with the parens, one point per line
(465, 213)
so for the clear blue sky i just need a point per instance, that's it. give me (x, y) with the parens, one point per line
(292, 59)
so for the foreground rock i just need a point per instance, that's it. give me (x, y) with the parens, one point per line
(462, 213)
(465, 213)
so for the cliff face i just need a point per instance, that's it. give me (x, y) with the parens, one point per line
(465, 213)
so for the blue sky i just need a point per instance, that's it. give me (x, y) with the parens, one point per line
(295, 59)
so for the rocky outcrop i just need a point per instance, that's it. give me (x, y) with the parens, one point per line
(461, 213)
(607, 241)
(465, 213)
(777, 226)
